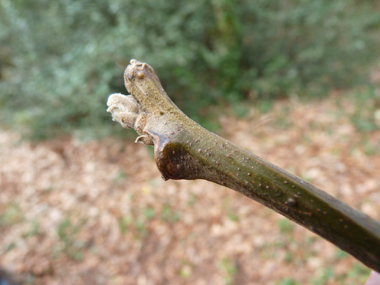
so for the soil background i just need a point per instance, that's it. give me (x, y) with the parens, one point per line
(98, 212)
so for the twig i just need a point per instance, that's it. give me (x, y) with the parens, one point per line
(185, 150)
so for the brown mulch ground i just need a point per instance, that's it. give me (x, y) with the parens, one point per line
(74, 212)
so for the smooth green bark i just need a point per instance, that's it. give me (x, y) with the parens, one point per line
(185, 150)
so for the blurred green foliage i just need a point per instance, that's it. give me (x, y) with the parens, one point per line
(365, 117)
(59, 60)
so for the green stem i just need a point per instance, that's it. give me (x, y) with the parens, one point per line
(185, 150)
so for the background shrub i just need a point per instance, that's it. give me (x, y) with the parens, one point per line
(59, 60)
